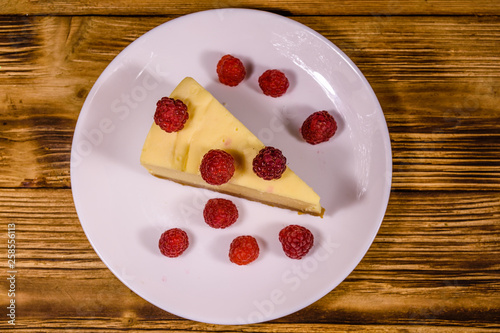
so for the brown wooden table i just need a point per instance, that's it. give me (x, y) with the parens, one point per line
(435, 67)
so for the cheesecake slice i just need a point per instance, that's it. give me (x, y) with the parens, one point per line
(177, 156)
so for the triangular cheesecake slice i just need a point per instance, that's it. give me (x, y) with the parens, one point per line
(177, 156)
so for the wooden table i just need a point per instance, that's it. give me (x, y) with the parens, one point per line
(435, 67)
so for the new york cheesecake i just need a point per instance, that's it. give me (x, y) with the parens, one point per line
(177, 156)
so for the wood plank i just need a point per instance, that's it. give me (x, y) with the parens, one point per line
(433, 262)
(289, 7)
(438, 85)
(131, 323)
(421, 48)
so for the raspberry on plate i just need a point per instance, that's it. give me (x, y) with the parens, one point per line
(318, 127)
(217, 167)
(273, 83)
(243, 250)
(269, 163)
(230, 70)
(171, 114)
(173, 242)
(296, 241)
(220, 213)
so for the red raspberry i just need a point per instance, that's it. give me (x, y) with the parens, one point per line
(217, 167)
(318, 127)
(273, 83)
(220, 213)
(243, 250)
(230, 70)
(173, 242)
(269, 163)
(296, 241)
(171, 114)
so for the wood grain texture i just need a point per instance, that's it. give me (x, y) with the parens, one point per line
(434, 262)
(440, 99)
(435, 68)
(289, 7)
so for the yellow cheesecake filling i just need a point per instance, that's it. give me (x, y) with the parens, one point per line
(177, 156)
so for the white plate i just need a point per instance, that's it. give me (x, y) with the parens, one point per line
(123, 209)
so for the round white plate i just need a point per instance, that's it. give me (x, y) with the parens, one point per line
(124, 210)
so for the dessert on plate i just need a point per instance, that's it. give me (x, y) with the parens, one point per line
(177, 155)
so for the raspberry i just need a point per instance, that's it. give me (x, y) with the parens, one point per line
(171, 114)
(243, 250)
(296, 241)
(217, 167)
(269, 163)
(220, 213)
(173, 242)
(318, 127)
(273, 83)
(230, 70)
